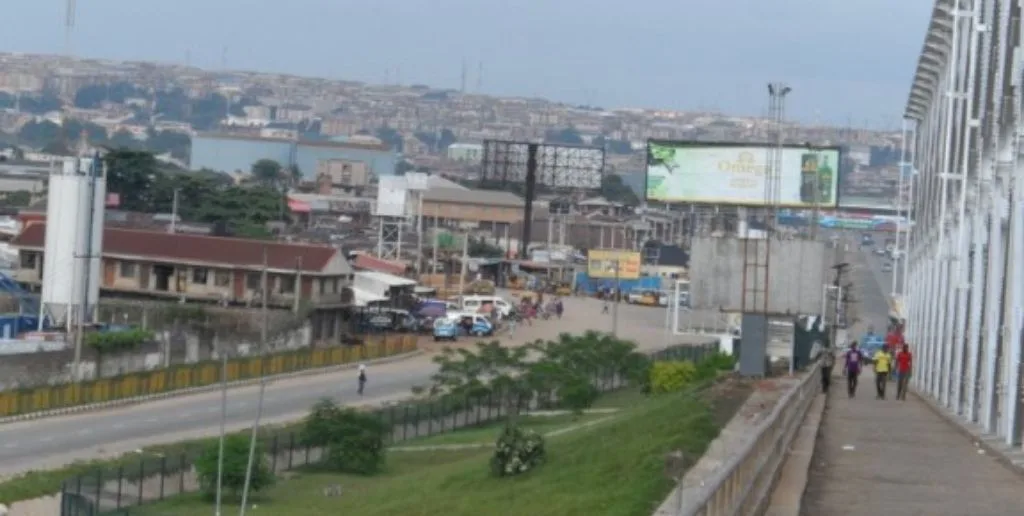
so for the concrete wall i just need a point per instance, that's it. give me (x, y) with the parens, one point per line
(796, 275)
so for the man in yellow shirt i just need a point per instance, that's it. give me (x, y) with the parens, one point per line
(883, 364)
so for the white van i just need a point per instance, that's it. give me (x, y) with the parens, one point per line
(474, 303)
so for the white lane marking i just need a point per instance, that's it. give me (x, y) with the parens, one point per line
(84, 431)
(46, 439)
(12, 444)
(152, 420)
(118, 425)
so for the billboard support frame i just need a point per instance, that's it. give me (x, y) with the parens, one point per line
(573, 168)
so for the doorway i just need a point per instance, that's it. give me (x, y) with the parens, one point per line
(162, 274)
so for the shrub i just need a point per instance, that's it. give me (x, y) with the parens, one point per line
(517, 451)
(236, 458)
(672, 376)
(354, 440)
(721, 361)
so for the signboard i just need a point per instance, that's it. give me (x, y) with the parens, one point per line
(602, 263)
(391, 194)
(712, 173)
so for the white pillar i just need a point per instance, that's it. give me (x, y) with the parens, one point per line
(1015, 304)
(990, 321)
(948, 342)
(962, 266)
(977, 292)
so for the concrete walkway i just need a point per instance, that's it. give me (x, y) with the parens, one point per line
(901, 458)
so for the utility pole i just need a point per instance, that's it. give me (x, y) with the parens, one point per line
(298, 285)
(223, 421)
(252, 448)
(615, 301)
(174, 212)
(465, 259)
(264, 293)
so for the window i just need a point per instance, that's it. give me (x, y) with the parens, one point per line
(127, 269)
(28, 260)
(286, 284)
(323, 285)
(222, 279)
(199, 275)
(253, 281)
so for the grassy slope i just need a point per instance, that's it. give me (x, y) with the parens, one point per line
(613, 469)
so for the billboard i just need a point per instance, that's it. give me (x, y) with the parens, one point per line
(558, 166)
(391, 196)
(602, 263)
(733, 173)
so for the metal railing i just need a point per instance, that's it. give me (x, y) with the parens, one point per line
(742, 486)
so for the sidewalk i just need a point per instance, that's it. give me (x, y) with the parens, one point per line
(901, 458)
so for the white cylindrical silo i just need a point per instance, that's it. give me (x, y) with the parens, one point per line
(74, 242)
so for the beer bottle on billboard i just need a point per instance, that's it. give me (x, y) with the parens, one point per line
(808, 177)
(825, 178)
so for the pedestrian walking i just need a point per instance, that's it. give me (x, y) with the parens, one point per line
(559, 308)
(883, 364)
(362, 378)
(828, 361)
(512, 320)
(904, 360)
(851, 368)
(604, 307)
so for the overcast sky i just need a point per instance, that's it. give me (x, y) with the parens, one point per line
(849, 62)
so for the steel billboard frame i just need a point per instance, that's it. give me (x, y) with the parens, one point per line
(765, 146)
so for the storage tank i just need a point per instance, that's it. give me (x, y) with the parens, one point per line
(74, 240)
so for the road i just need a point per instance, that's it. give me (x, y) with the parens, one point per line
(53, 442)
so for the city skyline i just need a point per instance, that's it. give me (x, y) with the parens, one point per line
(598, 62)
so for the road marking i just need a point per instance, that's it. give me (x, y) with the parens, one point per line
(118, 425)
(84, 432)
(11, 444)
(46, 439)
(152, 420)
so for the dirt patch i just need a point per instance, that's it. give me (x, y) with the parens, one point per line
(727, 397)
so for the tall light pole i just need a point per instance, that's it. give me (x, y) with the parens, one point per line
(777, 92)
(223, 422)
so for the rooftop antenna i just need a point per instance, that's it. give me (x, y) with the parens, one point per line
(69, 25)
(462, 87)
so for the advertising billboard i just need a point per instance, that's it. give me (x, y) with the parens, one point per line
(719, 173)
(602, 263)
(557, 166)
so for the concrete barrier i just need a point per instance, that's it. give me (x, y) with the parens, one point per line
(741, 484)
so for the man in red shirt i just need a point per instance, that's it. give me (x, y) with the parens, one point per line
(904, 360)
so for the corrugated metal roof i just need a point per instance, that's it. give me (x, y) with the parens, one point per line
(467, 196)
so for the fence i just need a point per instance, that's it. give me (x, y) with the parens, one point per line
(743, 486)
(114, 491)
(201, 374)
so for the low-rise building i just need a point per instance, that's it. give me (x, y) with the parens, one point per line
(196, 268)
(486, 209)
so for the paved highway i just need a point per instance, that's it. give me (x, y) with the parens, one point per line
(53, 442)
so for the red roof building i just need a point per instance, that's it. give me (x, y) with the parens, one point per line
(199, 267)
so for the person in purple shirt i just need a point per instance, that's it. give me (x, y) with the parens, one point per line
(851, 367)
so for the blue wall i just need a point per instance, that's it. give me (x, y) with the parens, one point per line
(229, 155)
(232, 154)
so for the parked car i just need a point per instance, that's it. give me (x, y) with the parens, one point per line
(446, 329)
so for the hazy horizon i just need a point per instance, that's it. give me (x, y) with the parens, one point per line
(847, 64)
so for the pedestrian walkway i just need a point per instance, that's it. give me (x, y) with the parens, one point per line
(901, 458)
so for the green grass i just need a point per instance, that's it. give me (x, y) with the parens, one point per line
(487, 433)
(615, 469)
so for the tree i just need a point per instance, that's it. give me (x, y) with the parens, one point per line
(478, 247)
(489, 370)
(18, 199)
(354, 440)
(402, 167)
(615, 190)
(111, 342)
(38, 134)
(235, 462)
(267, 171)
(390, 137)
(567, 136)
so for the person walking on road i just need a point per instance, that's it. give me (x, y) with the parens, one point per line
(851, 368)
(362, 378)
(883, 364)
(828, 361)
(903, 362)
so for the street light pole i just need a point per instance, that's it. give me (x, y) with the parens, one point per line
(223, 423)
(615, 301)
(252, 448)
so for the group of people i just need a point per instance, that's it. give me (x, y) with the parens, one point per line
(884, 362)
